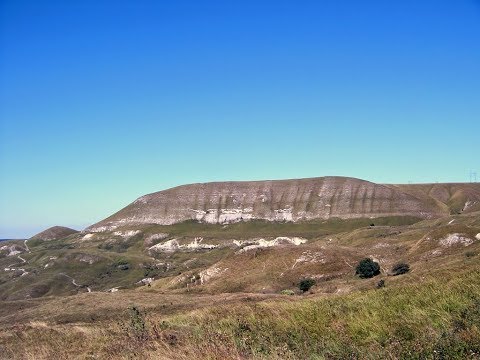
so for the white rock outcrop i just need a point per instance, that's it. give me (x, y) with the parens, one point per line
(127, 234)
(149, 240)
(145, 281)
(210, 273)
(454, 239)
(174, 245)
(12, 250)
(283, 215)
(310, 257)
(262, 243)
(223, 216)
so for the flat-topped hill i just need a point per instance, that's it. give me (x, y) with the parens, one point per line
(293, 200)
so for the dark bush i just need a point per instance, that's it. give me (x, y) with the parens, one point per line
(367, 268)
(306, 284)
(380, 284)
(400, 268)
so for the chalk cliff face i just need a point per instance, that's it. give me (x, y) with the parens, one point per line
(281, 200)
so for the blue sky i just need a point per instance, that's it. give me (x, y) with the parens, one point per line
(104, 101)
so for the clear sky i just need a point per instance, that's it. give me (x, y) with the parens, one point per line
(104, 101)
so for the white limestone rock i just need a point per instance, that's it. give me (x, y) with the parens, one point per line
(454, 239)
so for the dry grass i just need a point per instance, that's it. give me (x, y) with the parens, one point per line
(410, 318)
(433, 312)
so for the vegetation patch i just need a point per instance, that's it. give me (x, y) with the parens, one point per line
(306, 284)
(367, 268)
(400, 269)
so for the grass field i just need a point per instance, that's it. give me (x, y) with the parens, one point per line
(239, 311)
(437, 316)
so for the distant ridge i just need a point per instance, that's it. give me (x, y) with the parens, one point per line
(293, 200)
(54, 233)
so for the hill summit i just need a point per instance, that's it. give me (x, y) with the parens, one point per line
(54, 233)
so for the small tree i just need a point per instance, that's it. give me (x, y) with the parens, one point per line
(306, 284)
(400, 268)
(367, 268)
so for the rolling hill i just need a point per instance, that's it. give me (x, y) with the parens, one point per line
(54, 233)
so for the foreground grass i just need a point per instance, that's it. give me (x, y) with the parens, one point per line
(416, 318)
(432, 319)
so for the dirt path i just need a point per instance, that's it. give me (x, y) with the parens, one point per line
(74, 282)
(72, 279)
(23, 261)
(10, 268)
(26, 246)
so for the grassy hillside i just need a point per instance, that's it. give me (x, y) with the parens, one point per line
(100, 262)
(415, 317)
(234, 299)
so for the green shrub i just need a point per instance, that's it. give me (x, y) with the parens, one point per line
(306, 284)
(136, 326)
(380, 284)
(287, 292)
(400, 268)
(367, 268)
(120, 261)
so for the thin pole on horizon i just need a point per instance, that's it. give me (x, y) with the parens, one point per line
(473, 176)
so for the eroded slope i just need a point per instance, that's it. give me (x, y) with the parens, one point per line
(279, 200)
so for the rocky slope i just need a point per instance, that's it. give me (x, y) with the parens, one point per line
(54, 233)
(457, 198)
(293, 200)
